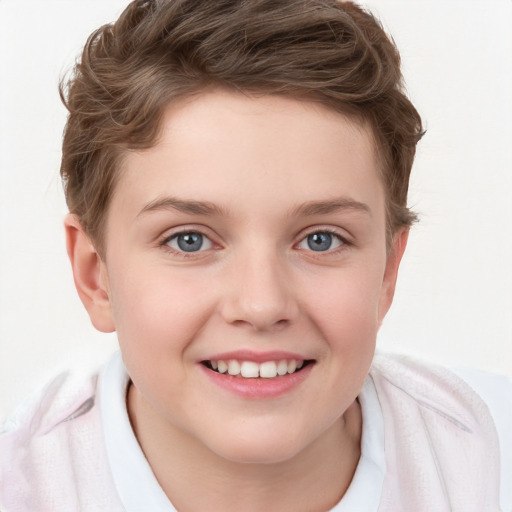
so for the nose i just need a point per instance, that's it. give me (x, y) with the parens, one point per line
(261, 294)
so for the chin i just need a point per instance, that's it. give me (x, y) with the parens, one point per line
(247, 455)
(259, 449)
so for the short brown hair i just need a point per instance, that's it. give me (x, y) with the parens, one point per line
(162, 50)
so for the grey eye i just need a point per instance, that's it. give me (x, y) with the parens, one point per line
(321, 241)
(190, 242)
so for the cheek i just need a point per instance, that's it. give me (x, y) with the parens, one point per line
(157, 318)
(161, 310)
(347, 309)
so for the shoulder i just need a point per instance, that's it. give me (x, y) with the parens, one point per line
(67, 395)
(446, 420)
(52, 448)
(425, 379)
(496, 391)
(493, 388)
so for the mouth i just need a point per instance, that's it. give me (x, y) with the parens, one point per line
(243, 369)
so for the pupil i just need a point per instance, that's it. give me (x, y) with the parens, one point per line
(190, 242)
(320, 241)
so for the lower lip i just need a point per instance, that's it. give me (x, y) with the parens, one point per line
(258, 388)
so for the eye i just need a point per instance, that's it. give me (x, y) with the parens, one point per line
(189, 242)
(321, 241)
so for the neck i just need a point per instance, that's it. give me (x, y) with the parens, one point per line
(195, 478)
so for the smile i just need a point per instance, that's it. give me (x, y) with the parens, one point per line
(257, 376)
(254, 370)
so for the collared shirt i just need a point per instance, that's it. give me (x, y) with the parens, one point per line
(132, 473)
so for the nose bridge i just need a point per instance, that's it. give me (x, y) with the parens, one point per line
(262, 292)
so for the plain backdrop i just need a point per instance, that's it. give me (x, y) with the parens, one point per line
(454, 297)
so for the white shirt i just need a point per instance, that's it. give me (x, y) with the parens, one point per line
(139, 490)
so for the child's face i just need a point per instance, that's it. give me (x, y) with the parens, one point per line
(253, 231)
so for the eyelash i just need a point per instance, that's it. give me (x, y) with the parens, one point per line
(164, 243)
(344, 243)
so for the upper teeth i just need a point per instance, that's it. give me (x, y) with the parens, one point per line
(250, 369)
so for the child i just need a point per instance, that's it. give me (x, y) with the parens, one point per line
(237, 174)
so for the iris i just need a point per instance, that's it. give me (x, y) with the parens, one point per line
(190, 242)
(319, 241)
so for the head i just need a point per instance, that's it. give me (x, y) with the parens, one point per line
(237, 176)
(160, 51)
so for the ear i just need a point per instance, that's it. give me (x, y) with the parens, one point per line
(398, 245)
(90, 275)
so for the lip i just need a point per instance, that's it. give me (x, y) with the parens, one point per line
(257, 357)
(257, 388)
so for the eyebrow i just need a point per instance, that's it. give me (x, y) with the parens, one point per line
(207, 208)
(331, 206)
(184, 206)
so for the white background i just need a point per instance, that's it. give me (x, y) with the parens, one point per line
(454, 298)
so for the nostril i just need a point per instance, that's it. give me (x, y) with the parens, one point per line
(280, 324)
(261, 325)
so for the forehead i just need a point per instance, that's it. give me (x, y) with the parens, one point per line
(239, 150)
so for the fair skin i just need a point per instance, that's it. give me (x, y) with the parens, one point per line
(253, 232)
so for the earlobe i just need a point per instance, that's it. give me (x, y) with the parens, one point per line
(394, 258)
(89, 274)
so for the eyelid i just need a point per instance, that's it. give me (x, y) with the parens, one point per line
(170, 234)
(325, 228)
(206, 243)
(342, 235)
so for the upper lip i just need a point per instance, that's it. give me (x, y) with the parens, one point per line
(257, 357)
